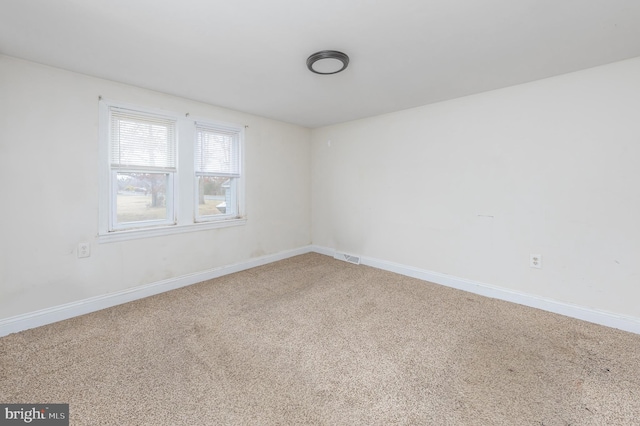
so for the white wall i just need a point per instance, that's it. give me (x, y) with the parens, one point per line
(49, 193)
(471, 187)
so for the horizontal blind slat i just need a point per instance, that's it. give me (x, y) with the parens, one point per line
(142, 140)
(217, 152)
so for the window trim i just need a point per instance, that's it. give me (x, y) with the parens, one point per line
(183, 197)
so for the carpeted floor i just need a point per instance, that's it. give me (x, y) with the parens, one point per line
(311, 340)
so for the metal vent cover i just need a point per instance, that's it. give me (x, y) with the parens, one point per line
(347, 258)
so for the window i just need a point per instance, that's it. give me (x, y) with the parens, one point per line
(164, 173)
(142, 167)
(217, 171)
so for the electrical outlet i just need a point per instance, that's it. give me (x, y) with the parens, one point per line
(84, 250)
(535, 261)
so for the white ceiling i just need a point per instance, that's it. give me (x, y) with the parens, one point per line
(250, 55)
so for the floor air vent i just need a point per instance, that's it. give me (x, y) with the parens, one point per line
(347, 258)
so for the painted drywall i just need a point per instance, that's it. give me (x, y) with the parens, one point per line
(49, 193)
(471, 187)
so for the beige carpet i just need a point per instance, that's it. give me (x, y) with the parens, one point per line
(311, 340)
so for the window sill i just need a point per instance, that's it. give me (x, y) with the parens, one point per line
(134, 234)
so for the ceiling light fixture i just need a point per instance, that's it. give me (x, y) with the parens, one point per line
(327, 62)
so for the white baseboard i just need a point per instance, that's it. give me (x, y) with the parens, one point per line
(322, 250)
(609, 319)
(69, 310)
(81, 307)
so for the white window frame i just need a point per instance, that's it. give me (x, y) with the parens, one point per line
(171, 172)
(183, 186)
(170, 198)
(237, 132)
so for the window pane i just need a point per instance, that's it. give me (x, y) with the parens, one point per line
(216, 196)
(142, 197)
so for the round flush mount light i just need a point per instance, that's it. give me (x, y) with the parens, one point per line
(327, 62)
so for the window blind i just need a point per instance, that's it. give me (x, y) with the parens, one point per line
(217, 152)
(141, 141)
